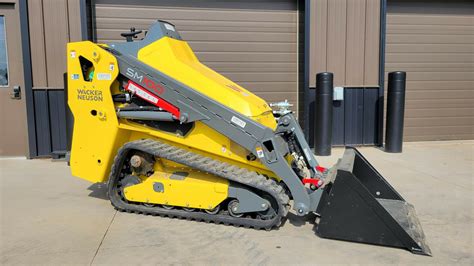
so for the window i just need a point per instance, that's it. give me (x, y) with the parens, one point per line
(3, 54)
(87, 69)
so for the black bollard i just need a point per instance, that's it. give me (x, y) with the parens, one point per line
(395, 111)
(323, 116)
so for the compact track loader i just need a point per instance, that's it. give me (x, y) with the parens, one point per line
(173, 138)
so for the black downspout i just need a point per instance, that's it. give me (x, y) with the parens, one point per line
(306, 91)
(84, 23)
(29, 101)
(383, 29)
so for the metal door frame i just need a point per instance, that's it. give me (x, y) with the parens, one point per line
(17, 7)
(27, 69)
(307, 78)
(27, 75)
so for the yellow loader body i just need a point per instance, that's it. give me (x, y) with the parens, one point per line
(98, 133)
(92, 154)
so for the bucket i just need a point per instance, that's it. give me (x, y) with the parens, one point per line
(359, 205)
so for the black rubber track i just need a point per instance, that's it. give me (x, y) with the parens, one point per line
(204, 164)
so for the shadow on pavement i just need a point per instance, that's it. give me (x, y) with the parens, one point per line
(99, 191)
(299, 220)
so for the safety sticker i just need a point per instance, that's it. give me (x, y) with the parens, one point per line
(142, 93)
(104, 76)
(259, 152)
(73, 54)
(238, 121)
(111, 67)
(169, 27)
(74, 76)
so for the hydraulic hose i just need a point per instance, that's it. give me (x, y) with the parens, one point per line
(146, 115)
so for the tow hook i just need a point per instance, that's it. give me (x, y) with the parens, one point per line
(314, 183)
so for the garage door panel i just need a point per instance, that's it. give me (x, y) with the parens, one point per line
(434, 86)
(427, 19)
(434, 42)
(440, 76)
(278, 97)
(200, 4)
(439, 130)
(431, 29)
(431, 38)
(438, 112)
(245, 57)
(429, 57)
(229, 46)
(446, 94)
(268, 37)
(430, 48)
(209, 35)
(430, 67)
(268, 87)
(254, 43)
(438, 103)
(206, 46)
(279, 26)
(258, 77)
(438, 133)
(255, 67)
(441, 137)
(438, 122)
(192, 14)
(216, 25)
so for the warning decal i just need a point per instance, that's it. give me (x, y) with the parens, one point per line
(142, 93)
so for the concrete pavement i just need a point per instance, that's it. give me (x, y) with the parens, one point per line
(49, 217)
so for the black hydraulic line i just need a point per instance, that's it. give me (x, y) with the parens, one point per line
(138, 108)
(395, 111)
(323, 116)
(120, 98)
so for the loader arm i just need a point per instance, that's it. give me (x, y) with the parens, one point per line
(194, 106)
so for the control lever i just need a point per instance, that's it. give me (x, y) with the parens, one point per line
(131, 34)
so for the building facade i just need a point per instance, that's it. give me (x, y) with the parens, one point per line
(271, 47)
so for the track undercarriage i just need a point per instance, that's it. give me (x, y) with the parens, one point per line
(122, 176)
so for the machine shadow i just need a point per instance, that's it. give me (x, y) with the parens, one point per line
(99, 191)
(301, 220)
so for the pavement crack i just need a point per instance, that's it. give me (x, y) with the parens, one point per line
(103, 237)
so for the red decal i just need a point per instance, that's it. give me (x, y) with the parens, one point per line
(142, 93)
(321, 169)
(313, 181)
(169, 107)
(151, 98)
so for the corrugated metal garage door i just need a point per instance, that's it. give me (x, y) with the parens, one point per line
(254, 43)
(434, 42)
